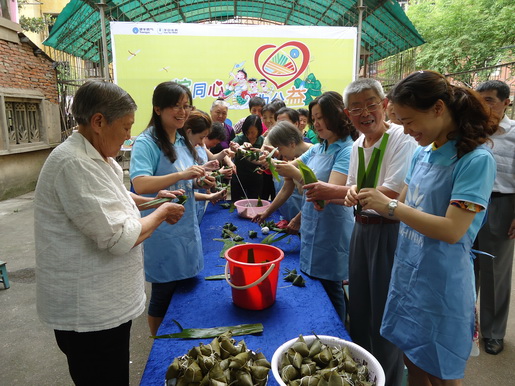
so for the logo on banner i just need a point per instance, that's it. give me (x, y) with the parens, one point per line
(282, 64)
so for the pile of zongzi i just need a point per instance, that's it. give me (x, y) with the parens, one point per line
(222, 362)
(318, 364)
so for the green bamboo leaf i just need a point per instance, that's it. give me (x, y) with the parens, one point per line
(215, 277)
(271, 165)
(155, 202)
(309, 177)
(202, 333)
(272, 238)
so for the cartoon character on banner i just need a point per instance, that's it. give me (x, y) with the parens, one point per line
(312, 85)
(237, 86)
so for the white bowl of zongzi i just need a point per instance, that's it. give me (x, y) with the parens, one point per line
(313, 357)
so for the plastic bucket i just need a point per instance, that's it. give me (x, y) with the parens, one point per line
(254, 285)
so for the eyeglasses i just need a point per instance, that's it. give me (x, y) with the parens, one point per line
(186, 108)
(370, 108)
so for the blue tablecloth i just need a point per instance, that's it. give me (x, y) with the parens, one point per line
(199, 303)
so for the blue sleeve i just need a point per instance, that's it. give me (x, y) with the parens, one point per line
(306, 156)
(144, 157)
(468, 187)
(413, 162)
(474, 177)
(342, 160)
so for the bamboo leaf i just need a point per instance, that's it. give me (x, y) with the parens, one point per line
(271, 165)
(155, 202)
(215, 277)
(270, 239)
(201, 333)
(309, 177)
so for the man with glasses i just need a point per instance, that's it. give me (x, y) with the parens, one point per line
(374, 238)
(497, 234)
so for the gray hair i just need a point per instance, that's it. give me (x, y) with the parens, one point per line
(219, 102)
(361, 85)
(105, 98)
(284, 133)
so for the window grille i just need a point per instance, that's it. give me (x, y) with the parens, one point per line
(23, 122)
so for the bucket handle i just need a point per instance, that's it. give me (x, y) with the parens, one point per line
(244, 287)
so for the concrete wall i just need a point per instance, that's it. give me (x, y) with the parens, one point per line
(19, 172)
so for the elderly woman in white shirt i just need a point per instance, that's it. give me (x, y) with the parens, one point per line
(88, 230)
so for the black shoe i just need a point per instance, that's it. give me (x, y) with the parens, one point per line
(493, 346)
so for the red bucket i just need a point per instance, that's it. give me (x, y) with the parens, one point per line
(254, 285)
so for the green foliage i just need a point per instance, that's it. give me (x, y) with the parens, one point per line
(36, 24)
(463, 34)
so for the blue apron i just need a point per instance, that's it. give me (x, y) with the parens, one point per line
(201, 205)
(174, 252)
(325, 235)
(292, 206)
(429, 312)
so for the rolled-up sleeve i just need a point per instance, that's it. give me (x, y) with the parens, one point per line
(98, 206)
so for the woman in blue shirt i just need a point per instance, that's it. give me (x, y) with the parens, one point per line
(324, 251)
(429, 313)
(162, 158)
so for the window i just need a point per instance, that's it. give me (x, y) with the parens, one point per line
(28, 122)
(4, 9)
(23, 121)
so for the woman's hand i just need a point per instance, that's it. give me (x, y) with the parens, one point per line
(192, 172)
(227, 173)
(351, 199)
(170, 193)
(229, 153)
(215, 197)
(234, 146)
(319, 191)
(294, 225)
(171, 212)
(206, 182)
(260, 217)
(373, 199)
(285, 169)
(211, 166)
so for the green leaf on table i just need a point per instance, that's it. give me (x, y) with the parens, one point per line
(231, 209)
(272, 238)
(215, 277)
(202, 333)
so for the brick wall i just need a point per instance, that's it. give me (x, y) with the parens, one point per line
(21, 69)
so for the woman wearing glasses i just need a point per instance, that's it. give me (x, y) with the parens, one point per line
(163, 158)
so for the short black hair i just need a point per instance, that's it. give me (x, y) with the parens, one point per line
(292, 114)
(217, 132)
(503, 90)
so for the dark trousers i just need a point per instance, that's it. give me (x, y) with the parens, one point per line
(372, 249)
(268, 190)
(493, 275)
(99, 357)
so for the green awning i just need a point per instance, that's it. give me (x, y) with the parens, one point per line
(386, 29)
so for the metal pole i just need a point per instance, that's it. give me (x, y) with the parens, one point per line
(105, 56)
(361, 8)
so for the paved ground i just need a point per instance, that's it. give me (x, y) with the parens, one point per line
(28, 352)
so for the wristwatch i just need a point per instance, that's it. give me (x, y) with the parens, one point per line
(392, 205)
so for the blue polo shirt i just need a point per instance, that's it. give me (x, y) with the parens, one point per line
(469, 175)
(341, 149)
